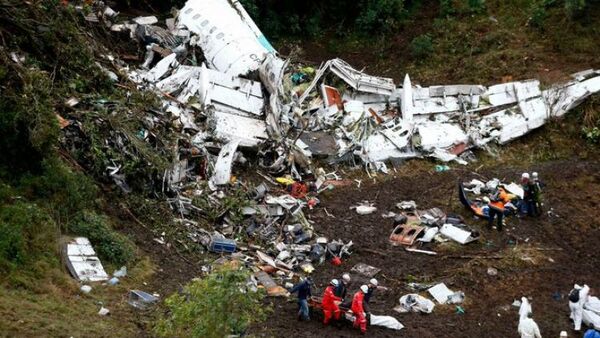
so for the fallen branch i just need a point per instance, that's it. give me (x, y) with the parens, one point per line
(374, 252)
(474, 257)
(432, 253)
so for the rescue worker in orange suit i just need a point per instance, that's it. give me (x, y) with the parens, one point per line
(497, 202)
(331, 303)
(358, 309)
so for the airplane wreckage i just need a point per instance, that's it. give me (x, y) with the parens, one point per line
(252, 97)
(364, 117)
(226, 92)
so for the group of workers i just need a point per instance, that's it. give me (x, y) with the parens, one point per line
(578, 297)
(502, 203)
(334, 299)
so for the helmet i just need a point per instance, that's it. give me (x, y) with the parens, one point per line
(373, 281)
(486, 200)
(346, 278)
(525, 176)
(364, 288)
(334, 282)
(534, 175)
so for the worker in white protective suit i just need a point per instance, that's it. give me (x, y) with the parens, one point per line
(577, 298)
(528, 328)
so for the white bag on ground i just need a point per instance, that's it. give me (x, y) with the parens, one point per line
(386, 321)
(416, 303)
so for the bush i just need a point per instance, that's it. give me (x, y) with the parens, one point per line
(27, 234)
(282, 18)
(592, 134)
(421, 47)
(574, 8)
(64, 192)
(108, 244)
(379, 15)
(216, 306)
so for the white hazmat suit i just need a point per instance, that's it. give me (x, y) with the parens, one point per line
(577, 308)
(528, 328)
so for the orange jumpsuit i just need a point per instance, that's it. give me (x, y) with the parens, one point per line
(359, 311)
(330, 307)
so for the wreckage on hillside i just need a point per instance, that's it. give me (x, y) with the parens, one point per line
(245, 91)
(227, 93)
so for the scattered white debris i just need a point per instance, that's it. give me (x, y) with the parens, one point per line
(103, 311)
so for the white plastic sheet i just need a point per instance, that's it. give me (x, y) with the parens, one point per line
(386, 321)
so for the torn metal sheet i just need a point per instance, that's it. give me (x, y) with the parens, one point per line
(361, 81)
(222, 173)
(512, 92)
(269, 284)
(229, 39)
(82, 262)
(406, 234)
(432, 135)
(146, 20)
(440, 293)
(141, 300)
(161, 68)
(320, 144)
(232, 94)
(228, 127)
(271, 73)
(457, 234)
(365, 270)
(358, 80)
(562, 98)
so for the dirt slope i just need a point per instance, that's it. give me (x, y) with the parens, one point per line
(569, 236)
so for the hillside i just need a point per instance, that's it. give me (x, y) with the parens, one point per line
(89, 150)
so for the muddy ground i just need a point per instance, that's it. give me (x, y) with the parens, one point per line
(542, 257)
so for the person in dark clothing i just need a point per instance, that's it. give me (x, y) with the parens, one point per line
(529, 194)
(342, 290)
(372, 286)
(538, 187)
(304, 292)
(342, 287)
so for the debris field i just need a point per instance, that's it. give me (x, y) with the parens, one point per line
(229, 101)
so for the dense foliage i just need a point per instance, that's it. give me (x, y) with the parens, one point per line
(44, 59)
(309, 19)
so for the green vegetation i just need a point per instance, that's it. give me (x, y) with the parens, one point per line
(215, 306)
(109, 245)
(283, 19)
(421, 47)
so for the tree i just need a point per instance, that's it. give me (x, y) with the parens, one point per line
(216, 306)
